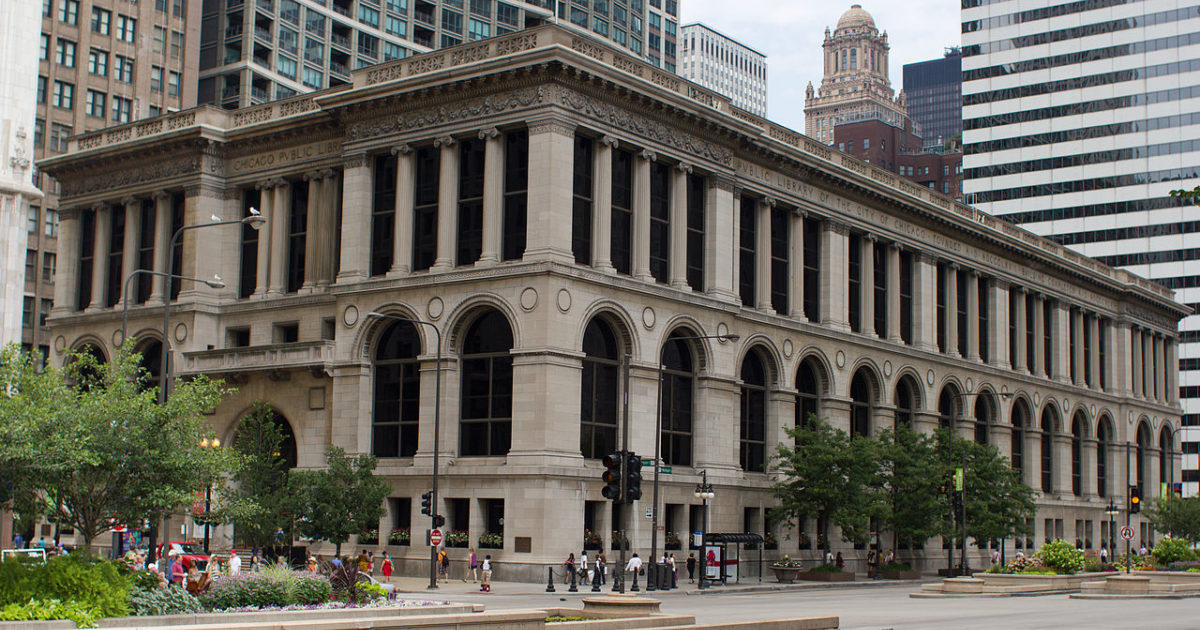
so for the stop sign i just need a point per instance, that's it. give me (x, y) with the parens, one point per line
(435, 537)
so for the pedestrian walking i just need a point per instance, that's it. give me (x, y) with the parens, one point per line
(486, 585)
(444, 564)
(18, 541)
(995, 557)
(1104, 555)
(584, 567)
(235, 562)
(891, 556)
(474, 566)
(570, 566)
(674, 570)
(691, 567)
(828, 556)
(176, 573)
(371, 561)
(841, 564)
(602, 567)
(635, 565)
(871, 564)
(387, 567)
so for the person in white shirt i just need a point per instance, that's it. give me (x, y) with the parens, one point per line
(583, 566)
(635, 564)
(486, 584)
(235, 562)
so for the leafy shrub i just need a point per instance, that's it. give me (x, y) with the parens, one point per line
(1061, 556)
(369, 537)
(168, 600)
(896, 566)
(1021, 564)
(75, 581)
(274, 586)
(48, 609)
(1185, 565)
(1170, 550)
(1093, 565)
(370, 591)
(146, 580)
(826, 568)
(1139, 562)
(399, 537)
(310, 588)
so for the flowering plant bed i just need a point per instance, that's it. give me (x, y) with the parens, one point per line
(491, 540)
(369, 537)
(399, 537)
(592, 540)
(457, 538)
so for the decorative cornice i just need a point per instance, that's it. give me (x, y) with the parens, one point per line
(551, 125)
(610, 141)
(402, 149)
(490, 133)
(648, 155)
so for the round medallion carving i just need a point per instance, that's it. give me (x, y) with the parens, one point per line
(564, 300)
(970, 383)
(929, 377)
(350, 315)
(1066, 405)
(117, 340)
(435, 307)
(887, 369)
(840, 359)
(529, 298)
(648, 317)
(60, 343)
(181, 332)
(788, 349)
(1092, 411)
(722, 329)
(1037, 398)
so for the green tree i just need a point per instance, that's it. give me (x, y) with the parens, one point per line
(343, 499)
(120, 456)
(913, 507)
(1191, 196)
(998, 503)
(1179, 517)
(830, 477)
(260, 501)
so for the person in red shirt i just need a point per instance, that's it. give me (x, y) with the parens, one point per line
(387, 567)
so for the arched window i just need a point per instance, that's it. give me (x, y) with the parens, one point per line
(906, 404)
(1048, 422)
(676, 402)
(599, 391)
(397, 396)
(1143, 443)
(1165, 458)
(753, 414)
(1020, 420)
(861, 405)
(150, 363)
(1103, 438)
(85, 365)
(287, 445)
(947, 407)
(1078, 426)
(486, 426)
(808, 393)
(983, 417)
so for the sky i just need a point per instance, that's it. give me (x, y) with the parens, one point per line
(790, 33)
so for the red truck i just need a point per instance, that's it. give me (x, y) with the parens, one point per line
(189, 554)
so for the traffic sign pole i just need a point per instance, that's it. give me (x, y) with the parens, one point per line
(435, 537)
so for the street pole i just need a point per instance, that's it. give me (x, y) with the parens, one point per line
(619, 574)
(1128, 514)
(215, 283)
(437, 418)
(704, 491)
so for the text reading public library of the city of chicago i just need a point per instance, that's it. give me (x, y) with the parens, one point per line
(551, 206)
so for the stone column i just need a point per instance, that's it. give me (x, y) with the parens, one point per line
(1033, 454)
(720, 239)
(1060, 342)
(1062, 460)
(263, 256)
(406, 164)
(66, 280)
(1147, 364)
(602, 205)
(736, 252)
(866, 285)
(1079, 374)
(973, 315)
(1087, 463)
(1171, 350)
(313, 228)
(796, 266)
(1093, 366)
(447, 229)
(998, 324)
(493, 195)
(679, 204)
(952, 310)
(641, 216)
(357, 191)
(1021, 360)
(281, 216)
(924, 302)
(330, 248)
(1136, 371)
(1160, 362)
(833, 283)
(762, 263)
(893, 293)
(129, 255)
(1037, 363)
(551, 152)
(100, 246)
(162, 244)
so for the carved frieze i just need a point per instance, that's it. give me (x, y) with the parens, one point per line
(131, 175)
(433, 116)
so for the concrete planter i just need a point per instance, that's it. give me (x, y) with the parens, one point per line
(900, 575)
(825, 576)
(786, 575)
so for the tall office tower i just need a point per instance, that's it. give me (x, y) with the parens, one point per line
(1078, 119)
(933, 94)
(254, 51)
(856, 84)
(724, 65)
(99, 63)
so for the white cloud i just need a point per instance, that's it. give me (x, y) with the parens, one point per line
(790, 33)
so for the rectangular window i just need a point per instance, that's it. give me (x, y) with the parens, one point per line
(285, 66)
(288, 41)
(314, 51)
(516, 185)
(44, 311)
(248, 276)
(30, 265)
(64, 53)
(27, 312)
(312, 78)
(126, 28)
(83, 280)
(297, 236)
(68, 12)
(812, 269)
(396, 26)
(425, 205)
(172, 84)
(482, 7)
(100, 20)
(581, 200)
(116, 251)
(47, 8)
(289, 11)
(478, 29)
(879, 263)
(747, 250)
(96, 104)
(368, 16)
(508, 14)
(31, 223)
(392, 51)
(145, 250)
(178, 8)
(51, 227)
(985, 351)
(122, 109)
(41, 93)
(176, 45)
(383, 214)
(470, 201)
(621, 236)
(660, 222)
(781, 244)
(64, 94)
(159, 45)
(697, 187)
(452, 21)
(39, 135)
(906, 297)
(854, 266)
(123, 69)
(98, 62)
(156, 78)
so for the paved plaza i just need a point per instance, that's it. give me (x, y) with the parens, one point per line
(862, 606)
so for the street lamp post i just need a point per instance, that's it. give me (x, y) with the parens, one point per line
(962, 514)
(437, 418)
(704, 492)
(254, 220)
(215, 283)
(653, 577)
(1112, 511)
(206, 443)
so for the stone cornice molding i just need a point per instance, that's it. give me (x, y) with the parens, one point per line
(444, 142)
(402, 149)
(551, 125)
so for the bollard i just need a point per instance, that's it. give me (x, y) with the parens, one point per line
(651, 577)
(596, 582)
(618, 582)
(550, 579)
(573, 588)
(634, 588)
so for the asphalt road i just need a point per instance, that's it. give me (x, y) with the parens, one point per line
(875, 607)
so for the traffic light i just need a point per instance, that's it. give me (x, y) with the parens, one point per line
(633, 477)
(438, 521)
(427, 503)
(1135, 499)
(612, 476)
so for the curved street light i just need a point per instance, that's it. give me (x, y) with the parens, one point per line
(215, 283)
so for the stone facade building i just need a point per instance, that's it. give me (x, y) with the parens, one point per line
(554, 212)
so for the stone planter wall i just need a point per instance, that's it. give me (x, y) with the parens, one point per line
(900, 575)
(822, 576)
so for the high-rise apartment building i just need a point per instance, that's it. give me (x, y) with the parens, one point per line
(856, 84)
(1078, 119)
(254, 51)
(725, 65)
(99, 63)
(933, 95)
